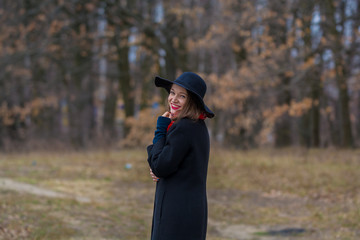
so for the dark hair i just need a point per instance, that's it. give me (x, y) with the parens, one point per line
(192, 108)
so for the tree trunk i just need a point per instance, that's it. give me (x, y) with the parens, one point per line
(315, 113)
(345, 123)
(358, 118)
(278, 31)
(283, 126)
(182, 59)
(125, 84)
(313, 77)
(81, 85)
(333, 34)
(110, 112)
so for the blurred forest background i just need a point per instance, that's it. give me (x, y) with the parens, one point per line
(80, 73)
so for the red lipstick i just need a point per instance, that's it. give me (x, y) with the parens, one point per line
(175, 107)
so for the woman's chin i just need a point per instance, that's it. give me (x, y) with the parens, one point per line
(173, 114)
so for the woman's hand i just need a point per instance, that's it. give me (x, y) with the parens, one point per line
(155, 178)
(167, 114)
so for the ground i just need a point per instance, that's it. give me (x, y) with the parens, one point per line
(253, 195)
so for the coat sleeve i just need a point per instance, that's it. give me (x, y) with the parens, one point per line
(166, 154)
(161, 127)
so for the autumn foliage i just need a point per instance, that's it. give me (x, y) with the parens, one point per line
(80, 73)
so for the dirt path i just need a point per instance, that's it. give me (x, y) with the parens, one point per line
(241, 206)
(13, 185)
(249, 232)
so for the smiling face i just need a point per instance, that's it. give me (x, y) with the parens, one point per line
(177, 99)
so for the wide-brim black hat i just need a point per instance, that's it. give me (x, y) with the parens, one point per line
(191, 82)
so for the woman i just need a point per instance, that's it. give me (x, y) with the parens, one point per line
(178, 160)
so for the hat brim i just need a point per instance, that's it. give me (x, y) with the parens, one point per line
(165, 83)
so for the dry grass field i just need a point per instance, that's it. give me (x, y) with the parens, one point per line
(253, 195)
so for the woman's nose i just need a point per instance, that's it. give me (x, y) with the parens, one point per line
(175, 99)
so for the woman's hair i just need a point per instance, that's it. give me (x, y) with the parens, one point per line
(192, 108)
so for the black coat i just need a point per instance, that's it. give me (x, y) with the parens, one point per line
(180, 160)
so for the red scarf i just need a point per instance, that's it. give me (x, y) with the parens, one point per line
(201, 117)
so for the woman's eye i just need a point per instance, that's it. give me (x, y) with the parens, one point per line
(183, 96)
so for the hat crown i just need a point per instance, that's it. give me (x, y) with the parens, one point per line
(193, 83)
